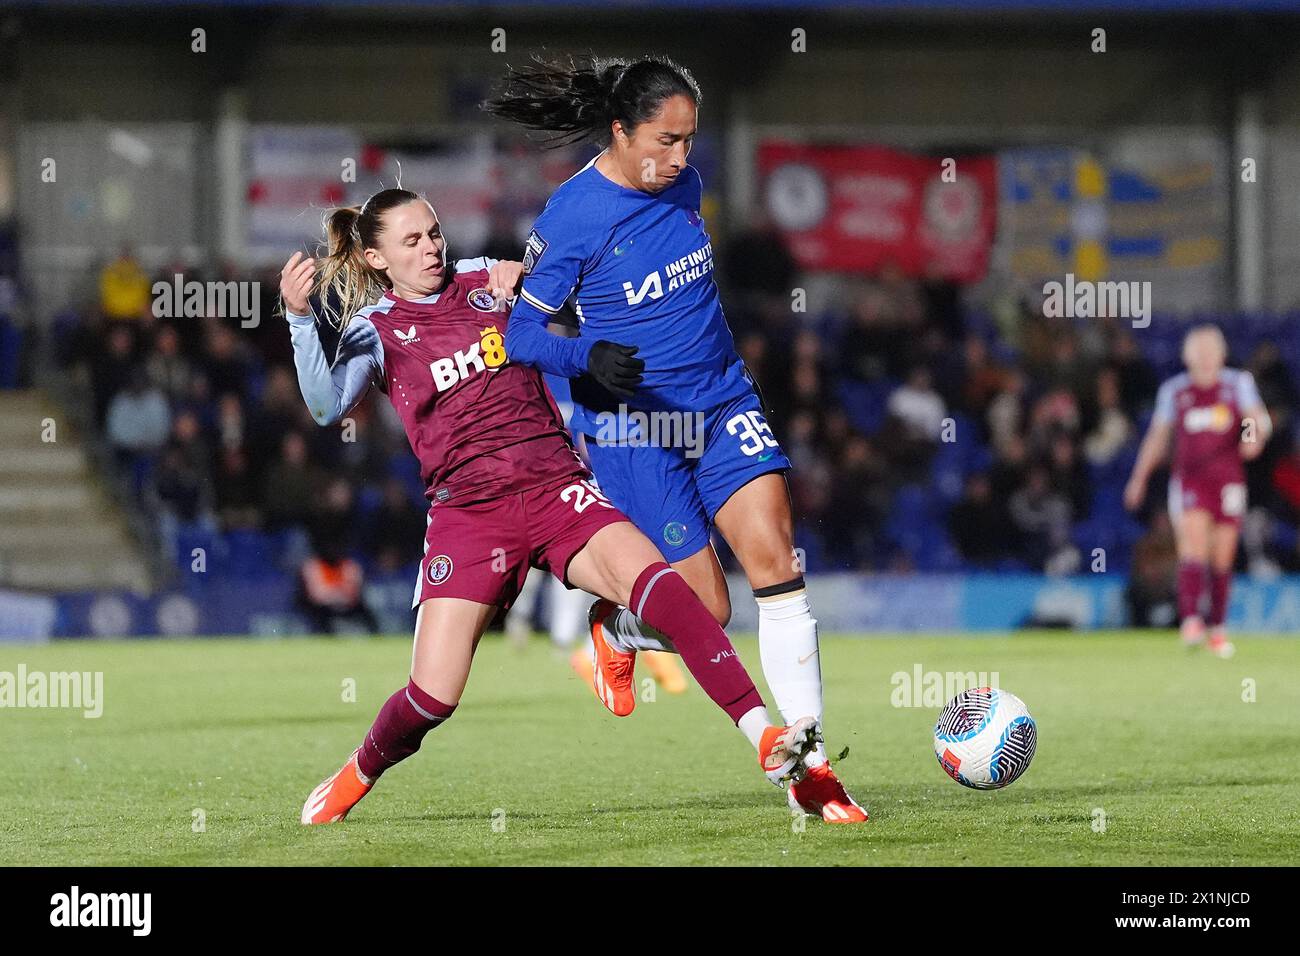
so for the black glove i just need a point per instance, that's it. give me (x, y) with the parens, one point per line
(615, 367)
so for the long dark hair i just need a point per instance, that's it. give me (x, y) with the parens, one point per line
(349, 231)
(578, 101)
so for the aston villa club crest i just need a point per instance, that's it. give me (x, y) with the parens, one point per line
(439, 569)
(482, 300)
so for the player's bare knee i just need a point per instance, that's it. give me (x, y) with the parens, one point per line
(774, 568)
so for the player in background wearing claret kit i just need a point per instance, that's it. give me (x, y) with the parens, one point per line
(505, 487)
(1215, 419)
(623, 238)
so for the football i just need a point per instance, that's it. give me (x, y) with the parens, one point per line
(985, 738)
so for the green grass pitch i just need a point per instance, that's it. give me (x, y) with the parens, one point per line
(1155, 742)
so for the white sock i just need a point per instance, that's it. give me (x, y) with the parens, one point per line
(624, 632)
(752, 723)
(787, 646)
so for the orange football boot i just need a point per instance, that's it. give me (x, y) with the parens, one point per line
(1192, 631)
(781, 749)
(1218, 644)
(614, 677)
(819, 793)
(331, 801)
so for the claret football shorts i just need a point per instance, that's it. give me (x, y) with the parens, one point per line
(482, 551)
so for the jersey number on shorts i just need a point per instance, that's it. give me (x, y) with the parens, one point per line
(582, 495)
(753, 431)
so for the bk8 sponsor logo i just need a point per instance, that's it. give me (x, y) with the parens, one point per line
(487, 354)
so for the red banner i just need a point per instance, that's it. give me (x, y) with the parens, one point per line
(860, 208)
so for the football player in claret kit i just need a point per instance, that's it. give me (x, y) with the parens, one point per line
(505, 487)
(1215, 419)
(623, 239)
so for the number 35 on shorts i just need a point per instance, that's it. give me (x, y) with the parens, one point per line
(582, 495)
(752, 430)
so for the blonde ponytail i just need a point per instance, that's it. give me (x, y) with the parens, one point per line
(347, 283)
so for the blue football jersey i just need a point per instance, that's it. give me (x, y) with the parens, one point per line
(638, 268)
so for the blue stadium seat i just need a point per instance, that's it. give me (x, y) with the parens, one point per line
(1283, 536)
(865, 403)
(249, 553)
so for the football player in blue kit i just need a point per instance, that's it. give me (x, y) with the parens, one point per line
(673, 422)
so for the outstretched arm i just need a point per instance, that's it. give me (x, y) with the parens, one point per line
(1154, 448)
(330, 392)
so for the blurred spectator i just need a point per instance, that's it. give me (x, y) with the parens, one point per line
(1066, 369)
(168, 370)
(756, 262)
(1152, 592)
(979, 523)
(1137, 380)
(879, 342)
(225, 360)
(236, 492)
(770, 368)
(1010, 466)
(856, 506)
(229, 422)
(112, 368)
(187, 438)
(979, 380)
(912, 429)
(1112, 429)
(280, 410)
(1006, 411)
(333, 522)
(1276, 385)
(182, 489)
(1056, 411)
(330, 593)
(918, 406)
(123, 288)
(1286, 480)
(138, 418)
(1041, 518)
(1068, 475)
(331, 581)
(290, 486)
(397, 528)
